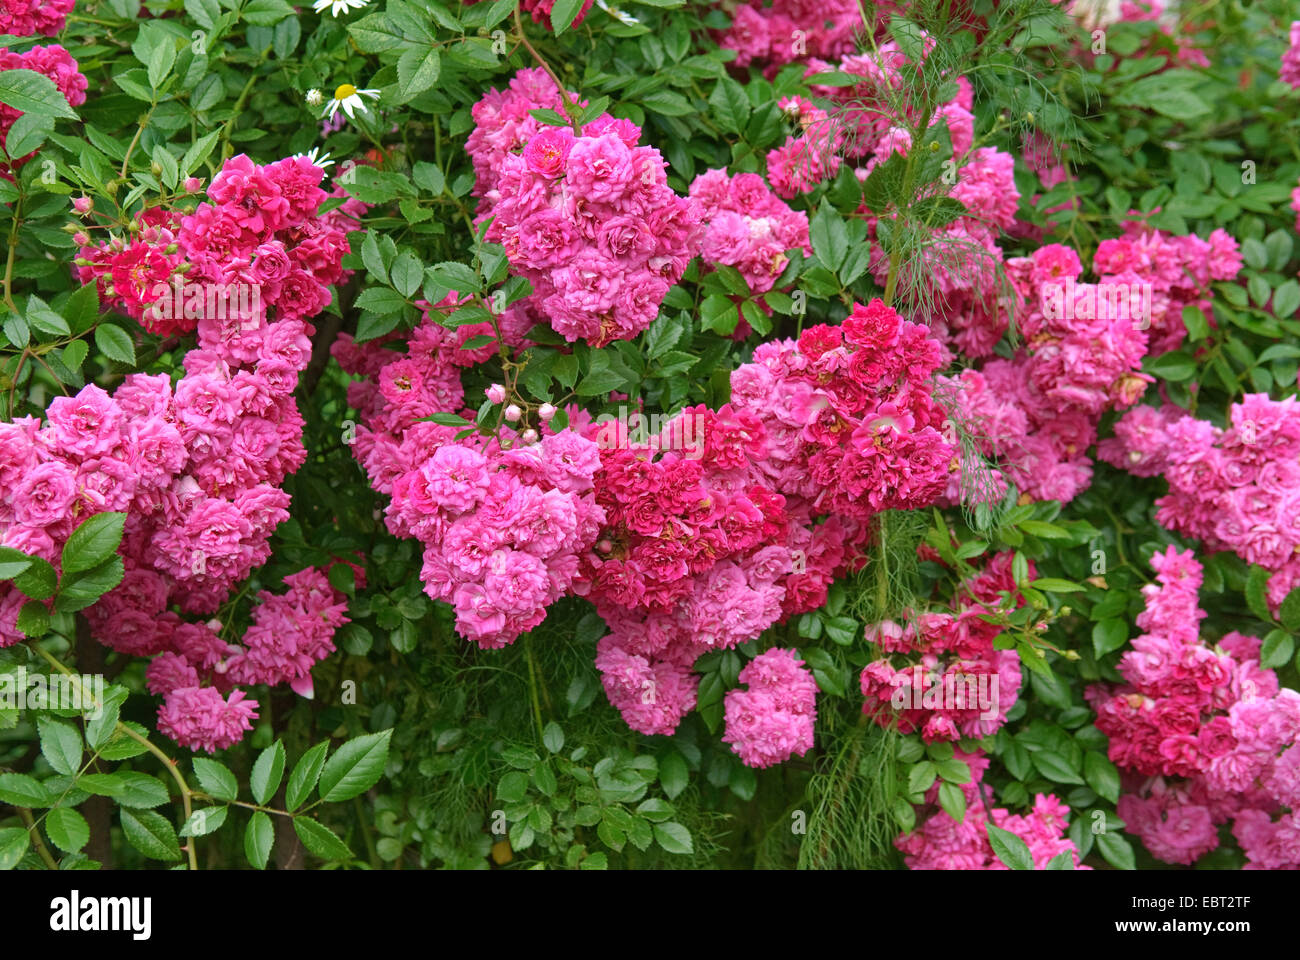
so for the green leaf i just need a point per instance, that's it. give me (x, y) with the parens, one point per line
(33, 619)
(114, 342)
(553, 737)
(151, 834)
(513, 787)
(67, 829)
(141, 790)
(355, 767)
(1062, 861)
(719, 314)
(841, 630)
(1117, 850)
(1289, 613)
(93, 542)
(1101, 775)
(13, 844)
(27, 133)
(41, 316)
(1009, 848)
(1109, 634)
(563, 14)
(1055, 767)
(38, 580)
(730, 105)
(20, 790)
(1055, 585)
(80, 590)
(12, 564)
(674, 838)
(673, 774)
(1174, 366)
(921, 777)
(259, 835)
(1276, 649)
(953, 801)
(305, 774)
(216, 780)
(101, 784)
(417, 71)
(267, 772)
(1286, 298)
(266, 13)
(953, 771)
(60, 744)
(205, 821)
(1257, 592)
(32, 92)
(830, 239)
(320, 839)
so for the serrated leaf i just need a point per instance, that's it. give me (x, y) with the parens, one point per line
(60, 744)
(217, 781)
(93, 542)
(205, 821)
(320, 839)
(1009, 848)
(674, 838)
(151, 834)
(267, 772)
(302, 780)
(114, 342)
(259, 835)
(355, 767)
(67, 829)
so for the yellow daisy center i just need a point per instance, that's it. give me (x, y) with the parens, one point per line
(344, 91)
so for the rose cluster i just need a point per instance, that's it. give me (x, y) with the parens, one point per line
(942, 843)
(259, 243)
(1037, 413)
(851, 423)
(772, 720)
(1236, 488)
(954, 683)
(1210, 715)
(290, 633)
(52, 61)
(788, 30)
(587, 217)
(197, 467)
(748, 227)
(26, 18)
(695, 555)
(502, 520)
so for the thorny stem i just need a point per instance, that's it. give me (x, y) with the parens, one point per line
(168, 763)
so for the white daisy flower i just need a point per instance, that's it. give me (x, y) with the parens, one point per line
(349, 98)
(314, 97)
(323, 160)
(335, 7)
(617, 14)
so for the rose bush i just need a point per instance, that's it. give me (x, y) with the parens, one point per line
(697, 434)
